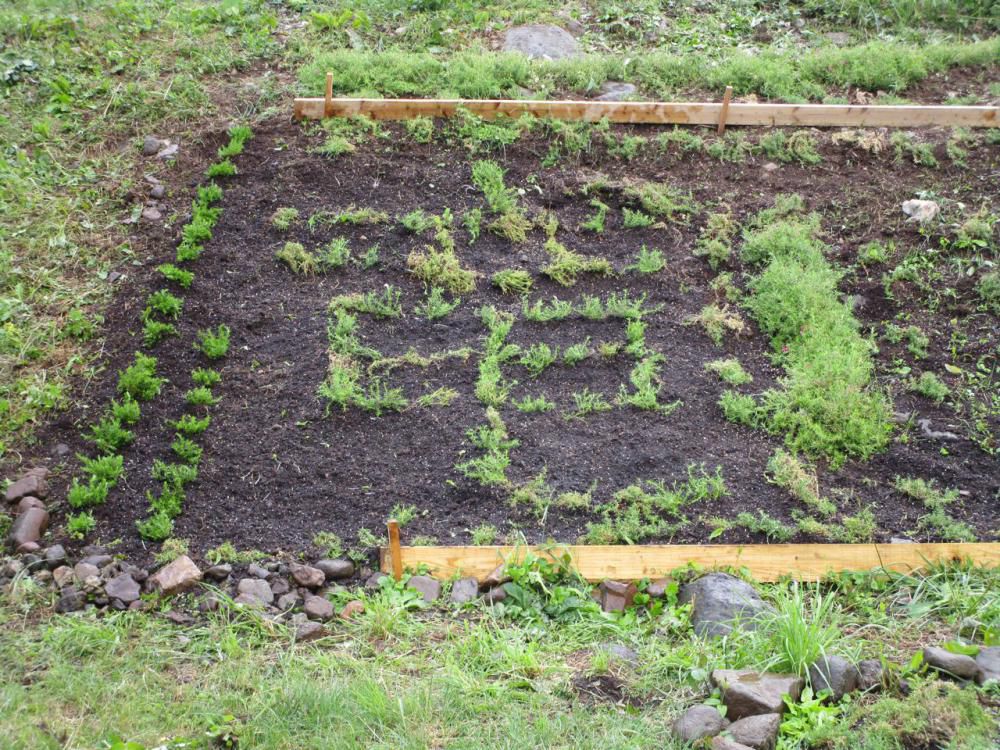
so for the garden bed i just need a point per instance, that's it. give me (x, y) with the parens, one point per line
(282, 463)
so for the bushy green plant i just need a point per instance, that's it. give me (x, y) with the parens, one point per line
(435, 306)
(489, 469)
(107, 467)
(214, 344)
(177, 275)
(94, 492)
(223, 168)
(512, 281)
(154, 331)
(633, 219)
(205, 377)
(534, 405)
(930, 386)
(297, 258)
(164, 303)
(566, 265)
(730, 371)
(78, 525)
(192, 425)
(139, 380)
(648, 261)
(283, 218)
(156, 528)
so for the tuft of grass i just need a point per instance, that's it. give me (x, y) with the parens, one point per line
(214, 344)
(729, 371)
(587, 402)
(435, 306)
(384, 305)
(596, 222)
(936, 522)
(177, 275)
(513, 281)
(930, 386)
(715, 241)
(648, 261)
(511, 222)
(534, 405)
(283, 218)
(537, 357)
(334, 254)
(566, 265)
(799, 146)
(489, 469)
(139, 380)
(717, 321)
(297, 258)
(663, 201)
(632, 219)
(790, 472)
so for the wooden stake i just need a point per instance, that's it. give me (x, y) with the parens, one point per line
(725, 109)
(328, 101)
(395, 553)
(662, 113)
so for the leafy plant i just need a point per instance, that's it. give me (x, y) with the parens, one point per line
(730, 371)
(648, 261)
(283, 218)
(297, 258)
(489, 469)
(435, 306)
(139, 380)
(214, 344)
(177, 275)
(512, 281)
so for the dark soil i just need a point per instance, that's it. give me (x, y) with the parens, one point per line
(277, 468)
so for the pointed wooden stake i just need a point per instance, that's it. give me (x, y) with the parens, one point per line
(395, 555)
(328, 101)
(724, 113)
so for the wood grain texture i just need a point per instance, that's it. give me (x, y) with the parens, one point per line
(683, 113)
(766, 562)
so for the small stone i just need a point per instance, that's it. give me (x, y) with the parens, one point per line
(62, 576)
(249, 600)
(871, 675)
(219, 572)
(658, 588)
(616, 91)
(749, 693)
(352, 608)
(541, 41)
(43, 576)
(335, 570)
(835, 674)
(309, 631)
(157, 192)
(464, 590)
(697, 723)
(954, 665)
(28, 548)
(839, 38)
(318, 608)
(900, 540)
(208, 603)
(29, 526)
(150, 145)
(151, 213)
(497, 578)
(615, 596)
(179, 618)
(287, 602)
(84, 570)
(770, 167)
(719, 601)
(30, 484)
(55, 556)
(988, 660)
(122, 587)
(257, 571)
(98, 560)
(28, 502)
(255, 588)
(920, 211)
(721, 742)
(623, 654)
(175, 577)
(61, 450)
(374, 581)
(305, 575)
(495, 595)
(138, 606)
(33, 562)
(280, 586)
(168, 151)
(139, 575)
(429, 588)
(70, 600)
(93, 585)
(759, 732)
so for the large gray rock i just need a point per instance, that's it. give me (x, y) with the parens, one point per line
(464, 590)
(429, 588)
(722, 742)
(70, 600)
(334, 570)
(32, 484)
(872, 675)
(318, 608)
(759, 732)
(122, 587)
(541, 41)
(256, 589)
(836, 674)
(954, 665)
(720, 600)
(175, 577)
(697, 723)
(308, 576)
(749, 693)
(988, 660)
(29, 526)
(616, 91)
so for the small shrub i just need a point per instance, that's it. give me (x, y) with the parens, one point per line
(716, 321)
(139, 380)
(154, 331)
(566, 265)
(417, 221)
(386, 305)
(534, 405)
(177, 275)
(200, 396)
(730, 371)
(192, 425)
(922, 154)
(799, 146)
(420, 129)
(78, 525)
(632, 219)
(164, 303)
(283, 218)
(214, 344)
(107, 468)
(587, 402)
(663, 201)
(740, 408)
(109, 436)
(790, 472)
(930, 386)
(489, 469)
(441, 268)
(513, 281)
(649, 261)
(334, 254)
(596, 222)
(94, 492)
(224, 168)
(538, 357)
(576, 353)
(435, 306)
(156, 528)
(205, 377)
(483, 535)
(186, 450)
(297, 258)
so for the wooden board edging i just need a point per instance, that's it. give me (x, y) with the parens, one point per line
(661, 113)
(765, 562)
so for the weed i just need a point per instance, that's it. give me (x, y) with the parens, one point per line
(163, 303)
(335, 145)
(439, 397)
(352, 215)
(490, 468)
(171, 549)
(740, 408)
(930, 386)
(108, 435)
(733, 147)
(596, 222)
(917, 342)
(587, 402)
(537, 357)
(534, 405)
(420, 129)
(922, 154)
(186, 450)
(937, 522)
(716, 321)
(385, 305)
(177, 275)
(107, 468)
(483, 534)
(435, 306)
(771, 528)
(543, 312)
(685, 139)
(214, 344)
(663, 201)
(788, 471)
(875, 252)
(283, 218)
(370, 258)
(297, 258)
(576, 353)
(330, 543)
(648, 261)
(989, 291)
(154, 331)
(417, 221)
(79, 525)
(380, 398)
(491, 389)
(715, 241)
(403, 514)
(632, 219)
(473, 220)
(511, 222)
(205, 377)
(139, 380)
(565, 265)
(799, 146)
(513, 281)
(334, 254)
(729, 371)
(192, 425)
(223, 168)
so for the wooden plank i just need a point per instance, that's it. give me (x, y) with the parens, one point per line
(660, 113)
(766, 562)
(395, 556)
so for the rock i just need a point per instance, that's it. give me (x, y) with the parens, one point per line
(219, 572)
(169, 151)
(157, 191)
(616, 596)
(175, 577)
(770, 166)
(925, 429)
(30, 484)
(429, 588)
(29, 526)
(749, 693)
(352, 608)
(61, 450)
(920, 211)
(179, 618)
(335, 570)
(954, 665)
(659, 587)
(28, 502)
(33, 562)
(719, 601)
(98, 560)
(70, 600)
(318, 608)
(622, 653)
(495, 595)
(122, 587)
(255, 588)
(988, 660)
(280, 586)
(249, 600)
(151, 213)
(287, 602)
(464, 590)
(541, 41)
(900, 540)
(835, 674)
(55, 556)
(305, 575)
(497, 578)
(257, 571)
(840, 38)
(615, 91)
(139, 575)
(871, 675)
(758, 732)
(28, 548)
(374, 581)
(150, 145)
(62, 576)
(309, 631)
(84, 570)
(697, 723)
(722, 742)
(208, 603)
(139, 606)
